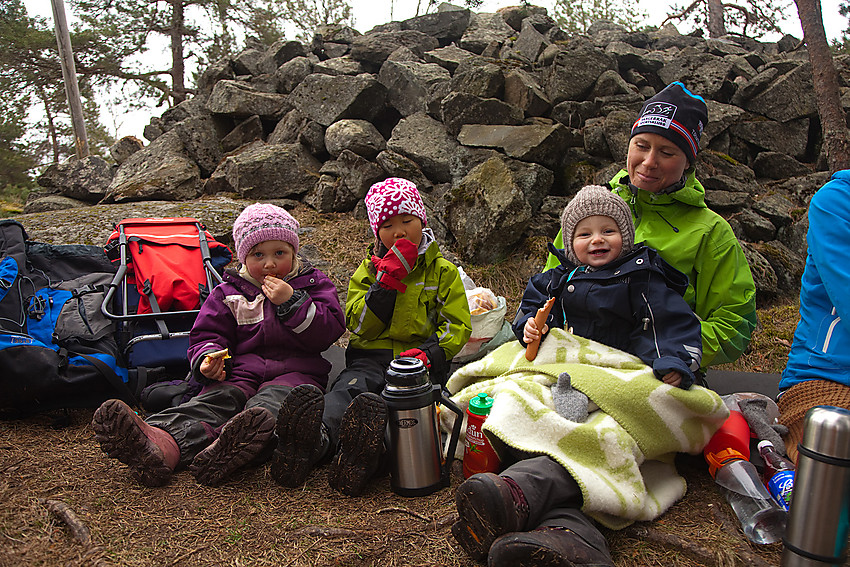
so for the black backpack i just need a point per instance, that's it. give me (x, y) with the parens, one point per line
(57, 349)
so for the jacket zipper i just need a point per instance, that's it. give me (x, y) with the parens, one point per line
(830, 330)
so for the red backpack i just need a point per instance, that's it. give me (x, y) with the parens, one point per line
(173, 262)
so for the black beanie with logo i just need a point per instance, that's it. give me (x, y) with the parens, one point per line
(678, 115)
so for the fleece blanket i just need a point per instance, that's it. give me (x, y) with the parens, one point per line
(622, 455)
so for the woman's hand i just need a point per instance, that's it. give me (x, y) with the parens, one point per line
(213, 368)
(531, 333)
(672, 378)
(277, 290)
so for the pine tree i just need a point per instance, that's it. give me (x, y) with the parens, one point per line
(576, 16)
(749, 18)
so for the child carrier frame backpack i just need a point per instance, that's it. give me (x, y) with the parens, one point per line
(165, 269)
(57, 350)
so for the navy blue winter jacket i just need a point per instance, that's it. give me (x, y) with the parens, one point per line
(634, 304)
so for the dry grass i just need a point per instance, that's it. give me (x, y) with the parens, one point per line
(251, 521)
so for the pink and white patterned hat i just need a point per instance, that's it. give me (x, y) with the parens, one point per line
(391, 197)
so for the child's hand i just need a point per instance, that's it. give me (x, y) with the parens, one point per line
(531, 333)
(277, 290)
(673, 378)
(396, 264)
(213, 368)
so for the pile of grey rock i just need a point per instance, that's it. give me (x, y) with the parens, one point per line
(497, 117)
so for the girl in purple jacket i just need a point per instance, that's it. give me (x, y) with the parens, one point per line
(271, 320)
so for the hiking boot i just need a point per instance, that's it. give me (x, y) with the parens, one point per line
(301, 439)
(546, 547)
(489, 506)
(150, 452)
(361, 443)
(241, 439)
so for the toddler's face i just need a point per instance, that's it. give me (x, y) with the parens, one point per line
(271, 257)
(597, 241)
(400, 226)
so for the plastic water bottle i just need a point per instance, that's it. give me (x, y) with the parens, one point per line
(761, 517)
(778, 474)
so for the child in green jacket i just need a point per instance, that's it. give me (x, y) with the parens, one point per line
(404, 299)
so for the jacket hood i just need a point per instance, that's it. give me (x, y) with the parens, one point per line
(676, 280)
(692, 192)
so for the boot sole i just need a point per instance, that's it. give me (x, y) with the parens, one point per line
(120, 436)
(241, 440)
(483, 518)
(361, 441)
(299, 432)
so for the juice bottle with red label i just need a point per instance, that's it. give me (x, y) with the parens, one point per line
(478, 455)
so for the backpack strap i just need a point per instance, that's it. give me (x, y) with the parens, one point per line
(114, 380)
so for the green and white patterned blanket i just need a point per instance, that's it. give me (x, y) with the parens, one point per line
(622, 456)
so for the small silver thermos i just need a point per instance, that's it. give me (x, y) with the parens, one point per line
(817, 530)
(417, 456)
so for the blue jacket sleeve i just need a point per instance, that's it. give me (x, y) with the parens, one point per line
(667, 335)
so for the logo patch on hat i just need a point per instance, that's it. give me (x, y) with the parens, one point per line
(658, 114)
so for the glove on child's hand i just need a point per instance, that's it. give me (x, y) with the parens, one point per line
(417, 353)
(755, 412)
(396, 264)
(569, 403)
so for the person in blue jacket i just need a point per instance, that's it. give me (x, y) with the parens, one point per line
(818, 368)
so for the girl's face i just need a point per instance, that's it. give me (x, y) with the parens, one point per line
(400, 226)
(654, 162)
(597, 241)
(270, 257)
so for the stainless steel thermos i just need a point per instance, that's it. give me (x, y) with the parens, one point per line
(816, 535)
(418, 467)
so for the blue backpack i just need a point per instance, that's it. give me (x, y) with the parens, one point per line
(57, 350)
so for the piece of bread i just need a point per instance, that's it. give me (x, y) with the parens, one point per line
(224, 353)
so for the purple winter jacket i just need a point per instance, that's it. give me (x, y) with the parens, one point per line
(269, 343)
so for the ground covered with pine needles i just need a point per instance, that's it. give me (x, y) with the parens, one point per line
(65, 503)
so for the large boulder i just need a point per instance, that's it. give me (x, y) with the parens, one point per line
(357, 136)
(538, 143)
(85, 179)
(409, 83)
(239, 99)
(267, 171)
(160, 171)
(426, 142)
(500, 195)
(327, 99)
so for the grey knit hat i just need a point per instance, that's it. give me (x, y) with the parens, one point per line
(595, 200)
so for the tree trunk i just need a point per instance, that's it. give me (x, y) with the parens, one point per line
(178, 88)
(716, 23)
(832, 118)
(51, 125)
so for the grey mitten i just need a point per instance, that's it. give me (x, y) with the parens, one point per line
(569, 403)
(755, 412)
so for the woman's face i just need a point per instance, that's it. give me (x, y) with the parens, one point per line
(654, 162)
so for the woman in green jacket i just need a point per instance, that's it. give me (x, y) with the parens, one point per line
(670, 215)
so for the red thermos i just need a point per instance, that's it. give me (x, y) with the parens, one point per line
(478, 455)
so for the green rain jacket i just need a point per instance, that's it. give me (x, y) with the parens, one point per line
(433, 306)
(699, 243)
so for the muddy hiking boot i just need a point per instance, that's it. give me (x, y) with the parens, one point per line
(150, 452)
(361, 443)
(546, 547)
(241, 440)
(301, 438)
(489, 506)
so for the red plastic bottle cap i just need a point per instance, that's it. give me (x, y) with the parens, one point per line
(733, 434)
